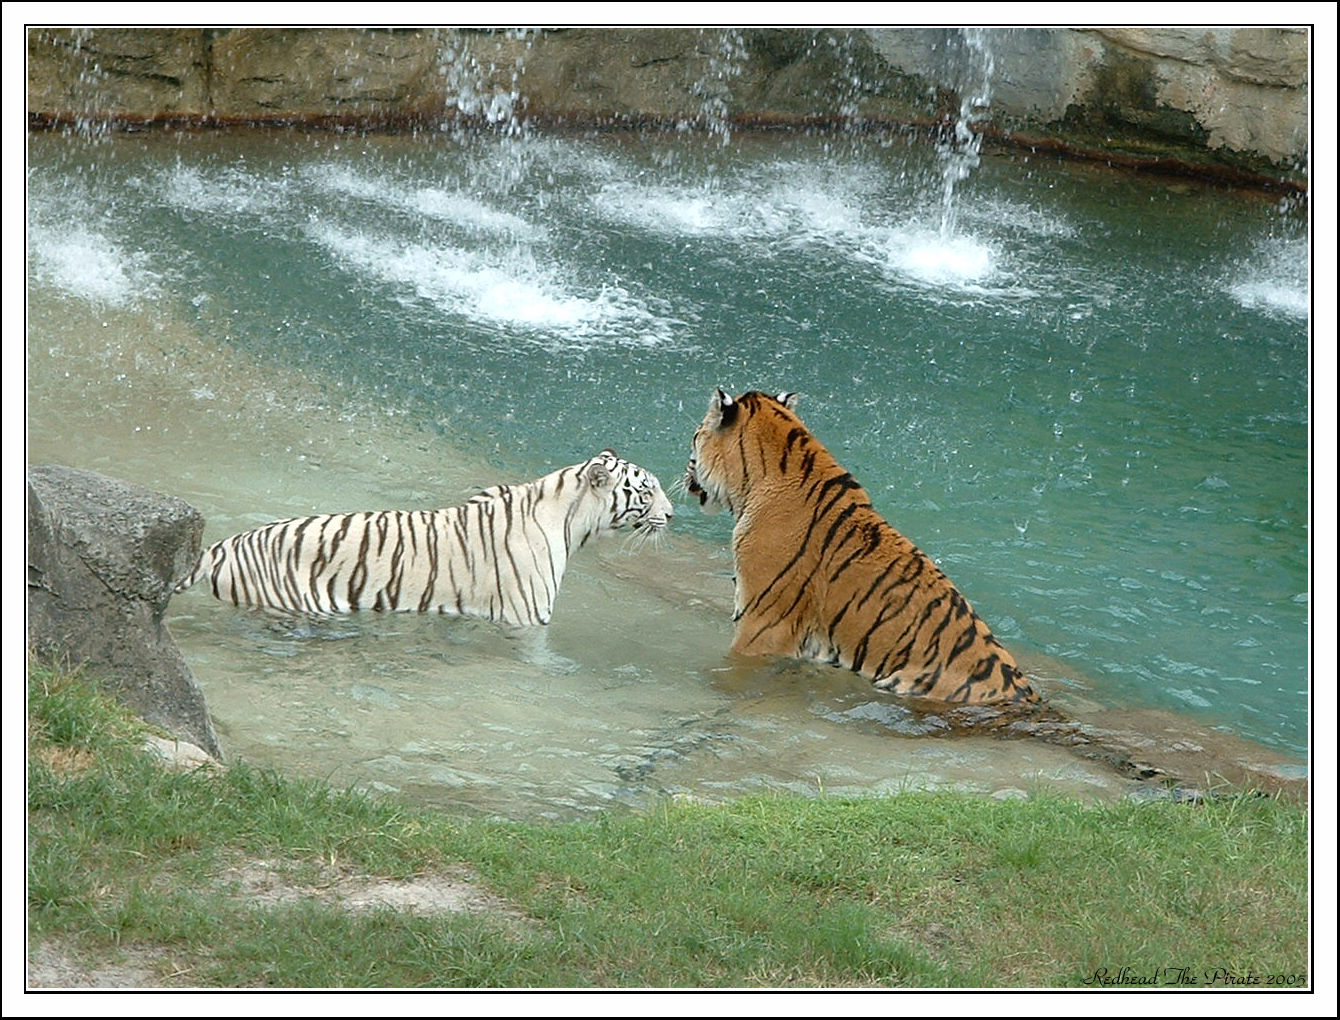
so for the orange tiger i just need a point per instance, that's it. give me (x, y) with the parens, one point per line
(819, 574)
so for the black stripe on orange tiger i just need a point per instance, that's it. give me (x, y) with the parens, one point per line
(794, 436)
(819, 513)
(820, 574)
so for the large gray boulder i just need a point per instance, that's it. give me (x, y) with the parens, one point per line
(103, 556)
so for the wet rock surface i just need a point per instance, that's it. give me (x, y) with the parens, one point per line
(103, 556)
(1233, 95)
(1172, 96)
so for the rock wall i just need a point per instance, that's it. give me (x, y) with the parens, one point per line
(103, 557)
(587, 74)
(1236, 95)
(1233, 96)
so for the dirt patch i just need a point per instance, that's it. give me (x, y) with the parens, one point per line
(55, 964)
(266, 883)
(64, 761)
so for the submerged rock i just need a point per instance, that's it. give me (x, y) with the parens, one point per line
(103, 556)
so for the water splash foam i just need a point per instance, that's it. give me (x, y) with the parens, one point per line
(513, 290)
(89, 265)
(806, 211)
(931, 258)
(441, 204)
(1273, 279)
(226, 191)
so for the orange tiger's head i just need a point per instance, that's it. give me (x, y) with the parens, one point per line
(737, 431)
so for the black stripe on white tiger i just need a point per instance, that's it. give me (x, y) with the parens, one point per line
(500, 556)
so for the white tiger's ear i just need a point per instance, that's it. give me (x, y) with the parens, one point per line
(597, 475)
(788, 400)
(723, 409)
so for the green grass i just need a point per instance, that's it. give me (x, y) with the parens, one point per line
(916, 890)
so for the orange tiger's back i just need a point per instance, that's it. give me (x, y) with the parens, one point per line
(821, 575)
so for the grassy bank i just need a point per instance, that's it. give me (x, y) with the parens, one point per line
(128, 858)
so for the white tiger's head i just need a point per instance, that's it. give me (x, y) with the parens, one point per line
(632, 495)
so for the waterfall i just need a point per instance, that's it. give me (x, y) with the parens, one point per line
(726, 60)
(960, 153)
(473, 89)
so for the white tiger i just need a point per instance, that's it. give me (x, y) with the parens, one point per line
(500, 556)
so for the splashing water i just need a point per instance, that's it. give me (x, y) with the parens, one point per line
(89, 264)
(1273, 278)
(513, 290)
(452, 205)
(939, 260)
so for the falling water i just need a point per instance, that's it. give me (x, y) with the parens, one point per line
(92, 121)
(472, 90)
(726, 59)
(960, 154)
(939, 254)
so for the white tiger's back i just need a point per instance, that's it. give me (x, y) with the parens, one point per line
(500, 556)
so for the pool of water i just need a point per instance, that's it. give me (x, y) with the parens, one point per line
(1088, 403)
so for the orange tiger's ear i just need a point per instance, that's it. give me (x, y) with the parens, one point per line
(788, 400)
(723, 408)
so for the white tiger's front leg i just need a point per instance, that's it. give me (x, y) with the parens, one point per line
(532, 644)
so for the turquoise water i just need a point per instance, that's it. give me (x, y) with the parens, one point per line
(1089, 403)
